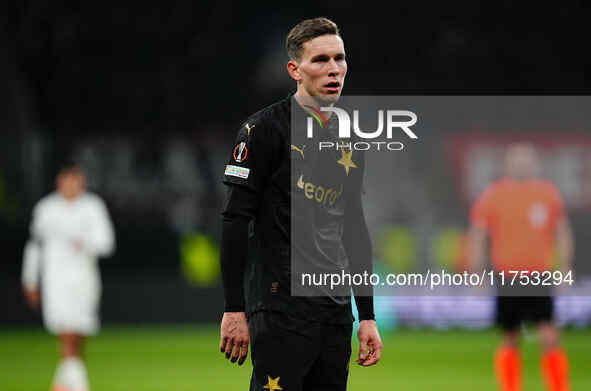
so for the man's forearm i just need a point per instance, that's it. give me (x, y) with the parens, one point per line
(361, 253)
(565, 244)
(476, 248)
(233, 261)
(31, 265)
(240, 208)
(358, 246)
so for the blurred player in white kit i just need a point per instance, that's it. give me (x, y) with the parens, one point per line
(70, 230)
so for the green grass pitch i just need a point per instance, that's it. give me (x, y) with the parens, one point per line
(186, 358)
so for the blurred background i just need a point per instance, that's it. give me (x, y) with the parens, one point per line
(149, 98)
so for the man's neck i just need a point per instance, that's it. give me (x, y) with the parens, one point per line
(69, 198)
(304, 99)
(520, 178)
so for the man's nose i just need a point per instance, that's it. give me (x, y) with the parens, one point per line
(333, 68)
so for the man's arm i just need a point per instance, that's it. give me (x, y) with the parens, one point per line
(32, 263)
(240, 209)
(234, 329)
(479, 224)
(476, 248)
(246, 175)
(564, 244)
(357, 244)
(30, 273)
(99, 240)
(358, 247)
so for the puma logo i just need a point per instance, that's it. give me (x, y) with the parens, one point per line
(300, 150)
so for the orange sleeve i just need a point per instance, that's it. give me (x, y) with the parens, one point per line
(481, 210)
(557, 202)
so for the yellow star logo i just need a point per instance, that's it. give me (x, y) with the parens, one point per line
(249, 128)
(346, 161)
(273, 384)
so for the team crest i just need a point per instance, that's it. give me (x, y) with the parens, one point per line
(538, 215)
(240, 152)
(273, 384)
(346, 161)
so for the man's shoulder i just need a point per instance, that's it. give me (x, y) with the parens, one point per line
(47, 201)
(544, 184)
(272, 116)
(92, 198)
(546, 187)
(492, 188)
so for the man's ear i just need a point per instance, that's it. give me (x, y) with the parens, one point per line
(294, 70)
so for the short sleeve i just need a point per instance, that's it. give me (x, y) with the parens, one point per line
(557, 202)
(480, 213)
(251, 157)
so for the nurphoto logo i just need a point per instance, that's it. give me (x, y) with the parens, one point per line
(394, 120)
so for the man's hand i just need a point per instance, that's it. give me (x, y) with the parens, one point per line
(368, 338)
(234, 336)
(32, 297)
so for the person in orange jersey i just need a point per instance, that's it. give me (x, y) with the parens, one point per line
(525, 219)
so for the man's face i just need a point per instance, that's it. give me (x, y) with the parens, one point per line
(70, 183)
(322, 68)
(521, 162)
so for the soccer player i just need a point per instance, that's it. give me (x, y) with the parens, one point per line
(69, 231)
(525, 218)
(298, 343)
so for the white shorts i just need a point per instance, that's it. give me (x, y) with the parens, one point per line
(71, 305)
